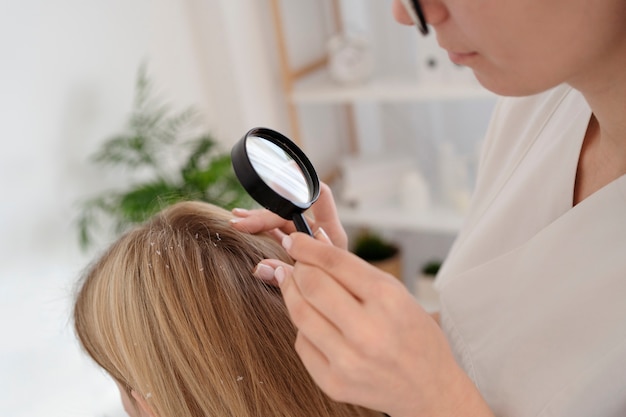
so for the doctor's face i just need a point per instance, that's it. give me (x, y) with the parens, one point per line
(521, 47)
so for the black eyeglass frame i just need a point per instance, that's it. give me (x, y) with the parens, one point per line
(420, 19)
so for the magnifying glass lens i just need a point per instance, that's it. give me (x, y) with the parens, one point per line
(278, 169)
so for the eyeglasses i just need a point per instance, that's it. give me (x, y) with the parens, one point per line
(417, 14)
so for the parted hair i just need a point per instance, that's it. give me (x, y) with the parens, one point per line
(172, 312)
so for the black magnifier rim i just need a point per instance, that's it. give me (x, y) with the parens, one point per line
(258, 189)
(421, 25)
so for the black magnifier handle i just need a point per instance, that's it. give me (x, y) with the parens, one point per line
(301, 224)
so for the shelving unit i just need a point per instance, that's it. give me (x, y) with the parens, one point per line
(318, 88)
(436, 219)
(310, 84)
(290, 75)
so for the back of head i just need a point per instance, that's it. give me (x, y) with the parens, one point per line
(172, 312)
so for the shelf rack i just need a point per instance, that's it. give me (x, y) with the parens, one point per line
(434, 220)
(319, 88)
(311, 84)
(291, 75)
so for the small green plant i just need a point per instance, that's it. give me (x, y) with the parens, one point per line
(167, 163)
(372, 247)
(431, 268)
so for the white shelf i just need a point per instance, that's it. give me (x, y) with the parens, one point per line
(437, 220)
(319, 88)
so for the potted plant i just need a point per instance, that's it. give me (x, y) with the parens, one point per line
(167, 161)
(425, 290)
(378, 251)
(431, 268)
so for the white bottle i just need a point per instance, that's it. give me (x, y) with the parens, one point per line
(414, 192)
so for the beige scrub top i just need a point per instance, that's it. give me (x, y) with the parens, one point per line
(533, 292)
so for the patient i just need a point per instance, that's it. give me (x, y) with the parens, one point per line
(172, 312)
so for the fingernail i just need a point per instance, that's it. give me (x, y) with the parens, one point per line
(235, 220)
(238, 211)
(287, 242)
(279, 274)
(263, 272)
(320, 234)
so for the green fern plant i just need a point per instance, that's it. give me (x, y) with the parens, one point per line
(172, 164)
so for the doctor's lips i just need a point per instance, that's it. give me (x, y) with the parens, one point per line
(461, 58)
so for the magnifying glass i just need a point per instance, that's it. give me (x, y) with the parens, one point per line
(277, 174)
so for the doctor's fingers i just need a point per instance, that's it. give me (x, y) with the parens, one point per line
(366, 328)
(343, 342)
(359, 278)
(311, 292)
(261, 220)
(325, 212)
(331, 377)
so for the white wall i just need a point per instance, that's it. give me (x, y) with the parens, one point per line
(67, 74)
(67, 82)
(67, 79)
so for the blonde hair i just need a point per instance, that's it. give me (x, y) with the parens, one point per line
(173, 312)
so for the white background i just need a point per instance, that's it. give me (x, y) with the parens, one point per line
(67, 76)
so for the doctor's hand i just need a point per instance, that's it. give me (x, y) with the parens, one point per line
(365, 340)
(324, 214)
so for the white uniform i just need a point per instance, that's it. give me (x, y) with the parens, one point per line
(533, 292)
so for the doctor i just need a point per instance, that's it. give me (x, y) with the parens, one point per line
(533, 318)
